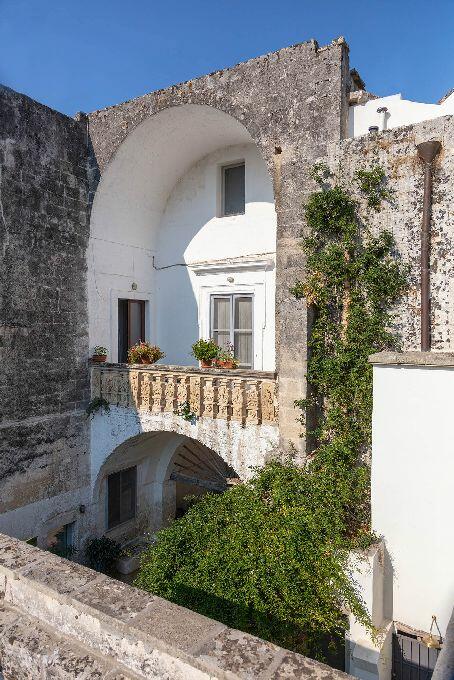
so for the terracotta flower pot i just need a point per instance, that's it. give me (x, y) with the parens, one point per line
(206, 363)
(99, 358)
(145, 360)
(226, 364)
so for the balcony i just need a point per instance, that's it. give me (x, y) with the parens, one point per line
(244, 396)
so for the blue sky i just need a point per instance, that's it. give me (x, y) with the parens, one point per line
(87, 54)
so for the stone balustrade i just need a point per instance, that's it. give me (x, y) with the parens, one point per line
(244, 396)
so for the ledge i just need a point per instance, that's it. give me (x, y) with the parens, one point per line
(240, 372)
(445, 359)
(149, 636)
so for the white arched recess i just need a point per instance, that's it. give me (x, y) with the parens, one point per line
(156, 233)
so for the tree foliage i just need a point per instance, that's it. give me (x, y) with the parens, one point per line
(271, 556)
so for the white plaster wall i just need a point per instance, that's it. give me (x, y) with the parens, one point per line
(412, 488)
(157, 204)
(400, 112)
(240, 248)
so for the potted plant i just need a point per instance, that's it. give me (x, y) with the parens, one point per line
(205, 351)
(226, 358)
(144, 353)
(99, 354)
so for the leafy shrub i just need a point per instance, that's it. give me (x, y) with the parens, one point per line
(269, 557)
(101, 553)
(144, 352)
(205, 350)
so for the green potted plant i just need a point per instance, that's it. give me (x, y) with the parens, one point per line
(99, 354)
(226, 358)
(205, 351)
(144, 353)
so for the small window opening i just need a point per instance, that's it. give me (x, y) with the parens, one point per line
(233, 189)
(121, 496)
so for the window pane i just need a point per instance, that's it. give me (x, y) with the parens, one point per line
(221, 313)
(113, 500)
(128, 494)
(243, 313)
(222, 338)
(135, 320)
(243, 348)
(234, 190)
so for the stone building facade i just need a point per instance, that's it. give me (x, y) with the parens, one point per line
(290, 105)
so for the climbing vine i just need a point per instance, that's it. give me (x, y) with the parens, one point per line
(272, 556)
(352, 281)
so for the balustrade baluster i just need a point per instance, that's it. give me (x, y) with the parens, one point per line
(224, 408)
(195, 395)
(145, 390)
(238, 408)
(252, 402)
(209, 398)
(182, 390)
(157, 393)
(134, 389)
(169, 393)
(268, 398)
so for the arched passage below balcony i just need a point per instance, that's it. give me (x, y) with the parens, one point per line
(145, 482)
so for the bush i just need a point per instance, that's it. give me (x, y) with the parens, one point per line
(143, 352)
(102, 553)
(269, 557)
(205, 350)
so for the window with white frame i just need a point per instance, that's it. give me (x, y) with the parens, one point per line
(233, 189)
(231, 323)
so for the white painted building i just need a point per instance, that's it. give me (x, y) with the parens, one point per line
(392, 111)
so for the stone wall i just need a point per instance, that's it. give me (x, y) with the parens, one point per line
(395, 150)
(43, 322)
(293, 103)
(59, 619)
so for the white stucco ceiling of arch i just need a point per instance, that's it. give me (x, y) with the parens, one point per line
(134, 188)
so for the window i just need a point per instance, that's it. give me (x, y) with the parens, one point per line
(121, 497)
(131, 326)
(233, 189)
(231, 323)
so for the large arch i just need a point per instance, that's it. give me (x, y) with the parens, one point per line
(155, 215)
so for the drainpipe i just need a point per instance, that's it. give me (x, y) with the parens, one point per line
(427, 151)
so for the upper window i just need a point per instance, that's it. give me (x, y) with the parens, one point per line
(231, 324)
(131, 326)
(233, 189)
(121, 496)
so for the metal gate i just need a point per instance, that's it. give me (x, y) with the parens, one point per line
(412, 659)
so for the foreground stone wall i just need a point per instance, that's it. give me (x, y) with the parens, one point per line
(43, 318)
(293, 103)
(395, 150)
(59, 619)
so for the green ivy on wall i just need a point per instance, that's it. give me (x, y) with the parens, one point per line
(352, 281)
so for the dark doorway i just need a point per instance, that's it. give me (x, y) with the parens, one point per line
(131, 326)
